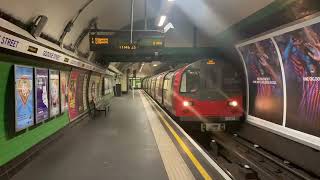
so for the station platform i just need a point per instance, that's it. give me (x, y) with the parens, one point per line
(137, 140)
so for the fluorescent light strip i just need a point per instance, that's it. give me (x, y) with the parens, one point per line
(141, 67)
(162, 19)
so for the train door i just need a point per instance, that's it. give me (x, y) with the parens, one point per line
(157, 89)
(149, 86)
(168, 91)
(153, 86)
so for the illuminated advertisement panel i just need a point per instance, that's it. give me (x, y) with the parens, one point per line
(42, 89)
(54, 93)
(106, 85)
(79, 97)
(92, 89)
(84, 92)
(24, 108)
(265, 80)
(64, 79)
(300, 50)
(76, 99)
(72, 93)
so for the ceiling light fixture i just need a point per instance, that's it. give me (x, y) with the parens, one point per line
(167, 27)
(162, 20)
(141, 67)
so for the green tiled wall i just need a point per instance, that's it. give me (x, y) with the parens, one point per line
(13, 144)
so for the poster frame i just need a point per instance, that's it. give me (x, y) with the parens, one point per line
(35, 96)
(60, 92)
(282, 130)
(15, 97)
(52, 117)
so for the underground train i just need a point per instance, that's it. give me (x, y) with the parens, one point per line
(206, 91)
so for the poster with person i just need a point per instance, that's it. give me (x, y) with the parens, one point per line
(42, 89)
(24, 108)
(265, 81)
(64, 79)
(92, 89)
(300, 51)
(54, 93)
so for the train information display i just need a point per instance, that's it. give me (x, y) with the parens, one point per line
(24, 108)
(121, 41)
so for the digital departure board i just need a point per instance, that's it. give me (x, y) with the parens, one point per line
(121, 41)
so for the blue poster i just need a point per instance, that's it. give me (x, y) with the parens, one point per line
(41, 86)
(24, 97)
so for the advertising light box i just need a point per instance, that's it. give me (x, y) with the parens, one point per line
(42, 89)
(283, 81)
(54, 93)
(64, 79)
(24, 107)
(73, 106)
(265, 80)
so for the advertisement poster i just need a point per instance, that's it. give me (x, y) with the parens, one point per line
(300, 50)
(84, 92)
(54, 93)
(99, 88)
(79, 97)
(64, 79)
(72, 93)
(92, 90)
(23, 97)
(265, 81)
(106, 85)
(42, 89)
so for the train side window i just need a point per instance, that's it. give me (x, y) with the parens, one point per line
(165, 85)
(183, 87)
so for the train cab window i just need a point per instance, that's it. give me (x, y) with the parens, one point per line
(190, 81)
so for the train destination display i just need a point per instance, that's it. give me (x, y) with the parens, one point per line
(24, 107)
(121, 41)
(42, 91)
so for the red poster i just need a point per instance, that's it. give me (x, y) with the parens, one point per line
(73, 104)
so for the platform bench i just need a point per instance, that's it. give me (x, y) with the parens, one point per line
(99, 106)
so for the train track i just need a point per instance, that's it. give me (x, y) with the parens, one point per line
(244, 160)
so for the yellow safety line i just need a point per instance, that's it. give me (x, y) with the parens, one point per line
(185, 148)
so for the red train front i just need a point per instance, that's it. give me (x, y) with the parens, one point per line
(204, 91)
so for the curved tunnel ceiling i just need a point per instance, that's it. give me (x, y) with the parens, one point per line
(209, 16)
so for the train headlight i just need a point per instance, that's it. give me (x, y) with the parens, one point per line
(233, 103)
(187, 103)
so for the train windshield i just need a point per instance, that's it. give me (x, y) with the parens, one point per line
(219, 81)
(190, 81)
